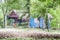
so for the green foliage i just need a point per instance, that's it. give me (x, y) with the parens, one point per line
(42, 7)
(15, 4)
(1, 19)
(37, 8)
(1, 22)
(9, 5)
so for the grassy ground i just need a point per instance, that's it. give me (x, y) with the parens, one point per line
(29, 39)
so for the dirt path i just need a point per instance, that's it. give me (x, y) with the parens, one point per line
(35, 33)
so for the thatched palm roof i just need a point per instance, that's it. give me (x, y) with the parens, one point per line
(13, 14)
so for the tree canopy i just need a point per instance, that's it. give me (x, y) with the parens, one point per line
(42, 7)
(37, 8)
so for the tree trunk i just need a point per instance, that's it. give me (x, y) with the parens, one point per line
(28, 8)
(47, 19)
(5, 21)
